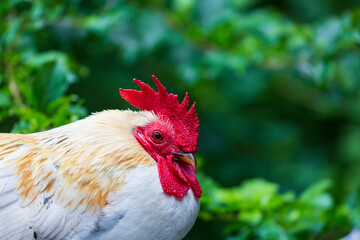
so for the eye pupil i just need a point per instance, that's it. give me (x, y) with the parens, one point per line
(157, 137)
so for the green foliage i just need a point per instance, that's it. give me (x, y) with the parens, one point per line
(33, 83)
(256, 210)
(276, 83)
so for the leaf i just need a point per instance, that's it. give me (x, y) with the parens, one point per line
(55, 76)
(10, 34)
(271, 231)
(316, 194)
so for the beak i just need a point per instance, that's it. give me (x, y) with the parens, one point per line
(186, 157)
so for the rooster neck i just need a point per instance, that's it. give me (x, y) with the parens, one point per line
(141, 210)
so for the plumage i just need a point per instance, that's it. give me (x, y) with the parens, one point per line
(102, 178)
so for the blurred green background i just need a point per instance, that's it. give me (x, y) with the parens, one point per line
(277, 86)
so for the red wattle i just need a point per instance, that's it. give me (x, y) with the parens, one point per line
(171, 183)
(189, 172)
(176, 169)
(176, 179)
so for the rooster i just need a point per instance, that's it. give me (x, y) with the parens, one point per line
(113, 175)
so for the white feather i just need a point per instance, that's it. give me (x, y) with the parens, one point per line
(13, 221)
(141, 210)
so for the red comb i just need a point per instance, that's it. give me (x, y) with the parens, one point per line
(166, 105)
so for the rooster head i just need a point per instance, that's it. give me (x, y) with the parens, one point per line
(172, 139)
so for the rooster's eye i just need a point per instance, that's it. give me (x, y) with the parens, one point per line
(157, 137)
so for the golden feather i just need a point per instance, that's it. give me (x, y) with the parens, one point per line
(78, 164)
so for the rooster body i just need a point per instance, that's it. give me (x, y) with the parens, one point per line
(103, 177)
